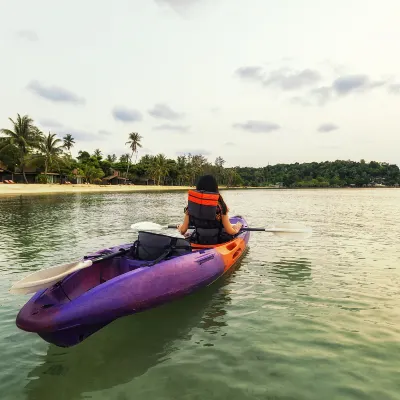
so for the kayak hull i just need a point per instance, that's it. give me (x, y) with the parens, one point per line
(87, 300)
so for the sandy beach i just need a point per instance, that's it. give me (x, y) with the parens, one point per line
(32, 189)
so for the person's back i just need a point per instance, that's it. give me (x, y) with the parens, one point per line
(208, 213)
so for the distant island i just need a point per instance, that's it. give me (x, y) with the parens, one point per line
(27, 155)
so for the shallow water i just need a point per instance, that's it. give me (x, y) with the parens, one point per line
(317, 319)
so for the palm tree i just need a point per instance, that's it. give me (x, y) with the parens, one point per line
(51, 150)
(97, 154)
(112, 158)
(124, 158)
(160, 167)
(134, 143)
(22, 139)
(182, 169)
(8, 154)
(69, 142)
(91, 173)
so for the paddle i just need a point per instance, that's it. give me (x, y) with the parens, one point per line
(288, 230)
(47, 277)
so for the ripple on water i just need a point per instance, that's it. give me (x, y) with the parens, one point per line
(316, 319)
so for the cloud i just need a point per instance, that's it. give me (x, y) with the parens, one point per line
(287, 79)
(341, 87)
(322, 94)
(176, 3)
(54, 93)
(394, 88)
(168, 127)
(124, 114)
(78, 134)
(104, 132)
(328, 127)
(354, 83)
(257, 126)
(193, 152)
(215, 110)
(300, 101)
(284, 78)
(163, 111)
(50, 123)
(254, 73)
(27, 34)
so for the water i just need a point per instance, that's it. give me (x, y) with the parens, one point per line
(317, 319)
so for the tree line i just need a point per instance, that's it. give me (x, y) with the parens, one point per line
(24, 145)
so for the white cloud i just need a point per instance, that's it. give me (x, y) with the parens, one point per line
(173, 73)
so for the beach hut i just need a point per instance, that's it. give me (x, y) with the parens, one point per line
(114, 180)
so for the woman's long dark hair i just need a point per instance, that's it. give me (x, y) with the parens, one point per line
(209, 184)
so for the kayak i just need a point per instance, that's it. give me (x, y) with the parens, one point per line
(87, 300)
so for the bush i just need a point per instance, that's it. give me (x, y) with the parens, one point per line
(97, 181)
(42, 178)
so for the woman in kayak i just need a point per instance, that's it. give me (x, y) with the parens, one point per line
(207, 183)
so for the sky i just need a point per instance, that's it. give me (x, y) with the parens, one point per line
(256, 82)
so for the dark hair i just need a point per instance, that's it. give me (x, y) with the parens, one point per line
(209, 184)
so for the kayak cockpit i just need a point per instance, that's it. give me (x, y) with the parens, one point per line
(148, 250)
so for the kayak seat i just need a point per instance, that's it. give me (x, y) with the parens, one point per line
(156, 247)
(210, 236)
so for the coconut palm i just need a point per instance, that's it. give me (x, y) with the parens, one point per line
(134, 143)
(69, 142)
(124, 158)
(8, 154)
(24, 137)
(91, 173)
(182, 169)
(111, 158)
(97, 154)
(51, 150)
(159, 167)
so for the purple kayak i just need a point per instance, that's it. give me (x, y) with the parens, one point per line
(85, 301)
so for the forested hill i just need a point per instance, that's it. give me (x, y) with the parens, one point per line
(324, 174)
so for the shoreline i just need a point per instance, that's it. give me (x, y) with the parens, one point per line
(19, 189)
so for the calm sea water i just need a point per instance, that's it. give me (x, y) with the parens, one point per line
(317, 319)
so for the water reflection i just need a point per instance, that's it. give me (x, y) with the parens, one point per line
(291, 269)
(32, 226)
(126, 349)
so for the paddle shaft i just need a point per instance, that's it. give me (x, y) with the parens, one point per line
(242, 229)
(107, 256)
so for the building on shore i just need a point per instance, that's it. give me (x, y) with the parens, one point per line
(114, 179)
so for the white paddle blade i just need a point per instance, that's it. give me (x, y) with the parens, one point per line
(147, 226)
(47, 277)
(27, 290)
(291, 231)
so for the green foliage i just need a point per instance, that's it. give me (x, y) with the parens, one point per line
(338, 173)
(25, 145)
(51, 151)
(90, 172)
(20, 141)
(42, 178)
(111, 158)
(69, 141)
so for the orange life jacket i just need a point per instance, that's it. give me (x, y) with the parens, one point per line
(202, 210)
